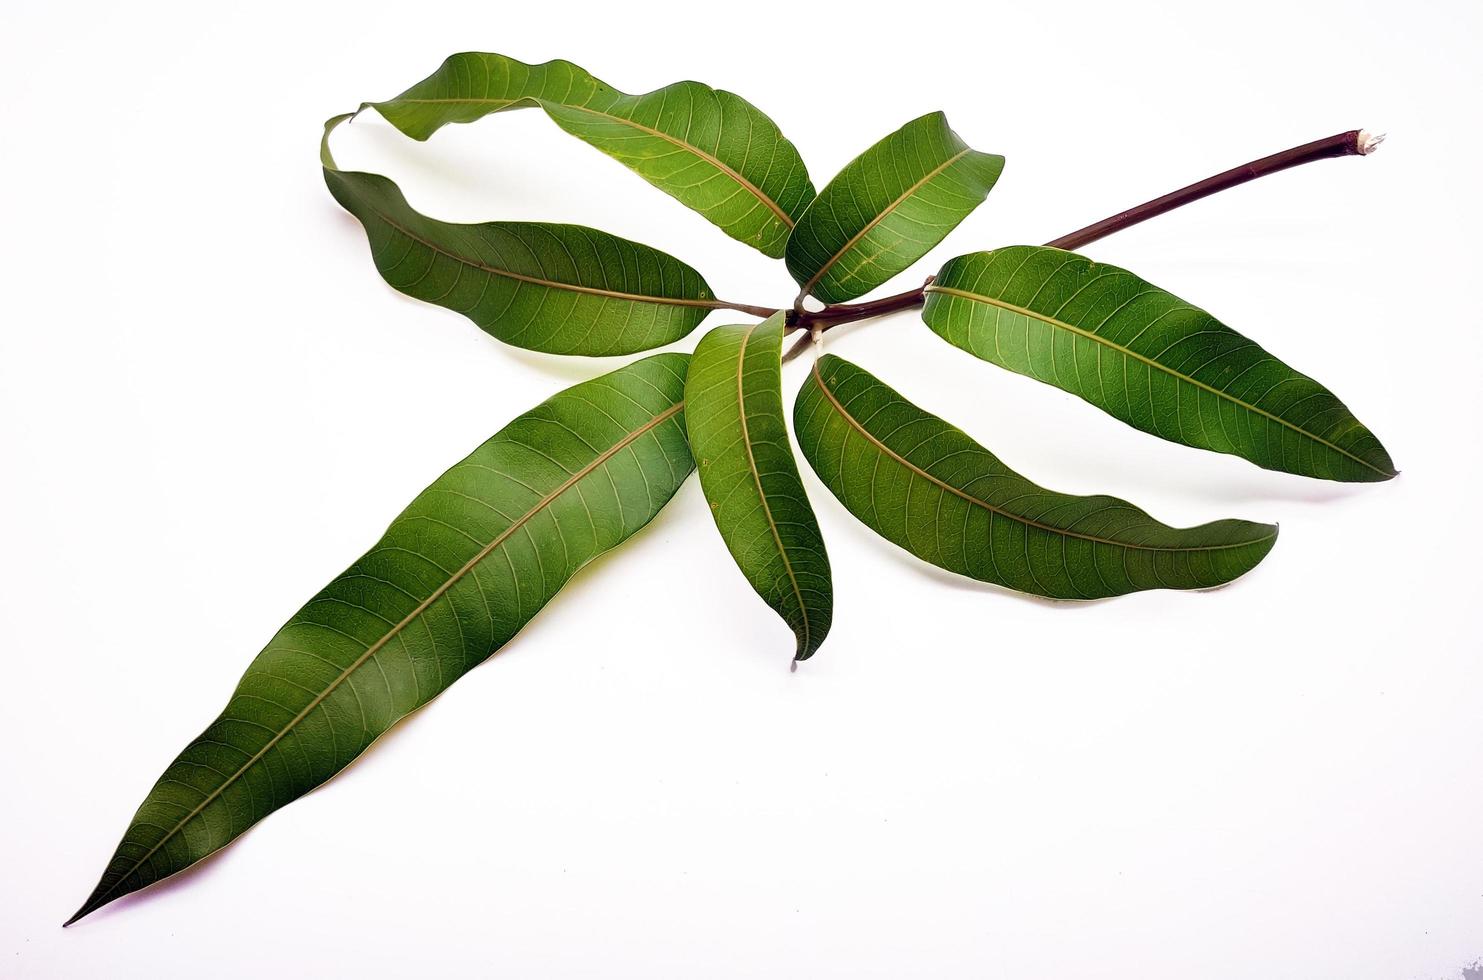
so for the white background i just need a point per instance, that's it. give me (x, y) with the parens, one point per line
(210, 403)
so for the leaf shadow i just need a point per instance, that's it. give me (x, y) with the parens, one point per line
(167, 885)
(1221, 478)
(962, 583)
(185, 877)
(569, 368)
(1247, 485)
(565, 367)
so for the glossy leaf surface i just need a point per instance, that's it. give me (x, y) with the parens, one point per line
(458, 573)
(926, 486)
(887, 208)
(562, 289)
(1147, 358)
(711, 150)
(739, 436)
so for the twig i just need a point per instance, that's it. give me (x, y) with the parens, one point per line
(1355, 142)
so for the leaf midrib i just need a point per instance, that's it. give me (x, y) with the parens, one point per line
(741, 407)
(1127, 352)
(376, 647)
(885, 212)
(1029, 522)
(746, 184)
(707, 304)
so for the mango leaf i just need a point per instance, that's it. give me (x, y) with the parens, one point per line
(735, 418)
(711, 150)
(562, 289)
(457, 574)
(887, 208)
(1147, 358)
(926, 486)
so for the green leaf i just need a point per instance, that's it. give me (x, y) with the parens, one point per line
(887, 208)
(711, 150)
(457, 574)
(735, 417)
(926, 486)
(562, 289)
(1148, 358)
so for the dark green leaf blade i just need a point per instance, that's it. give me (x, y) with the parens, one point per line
(710, 149)
(1148, 358)
(926, 486)
(562, 289)
(887, 208)
(457, 574)
(734, 413)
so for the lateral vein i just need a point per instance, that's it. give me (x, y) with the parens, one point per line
(422, 607)
(1089, 335)
(1030, 522)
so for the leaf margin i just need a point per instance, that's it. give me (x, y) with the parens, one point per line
(115, 884)
(810, 441)
(984, 169)
(813, 619)
(1382, 469)
(785, 212)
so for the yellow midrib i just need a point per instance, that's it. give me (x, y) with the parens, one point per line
(1080, 332)
(708, 304)
(741, 407)
(750, 187)
(422, 607)
(1029, 522)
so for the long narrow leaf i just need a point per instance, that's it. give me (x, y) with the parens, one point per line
(740, 440)
(887, 208)
(926, 486)
(457, 574)
(562, 289)
(711, 150)
(1148, 358)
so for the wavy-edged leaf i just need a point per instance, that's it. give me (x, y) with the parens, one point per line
(887, 208)
(1148, 358)
(562, 289)
(712, 150)
(734, 413)
(457, 574)
(926, 486)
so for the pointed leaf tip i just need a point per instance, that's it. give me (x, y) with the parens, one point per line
(708, 148)
(887, 208)
(555, 288)
(737, 426)
(459, 572)
(926, 486)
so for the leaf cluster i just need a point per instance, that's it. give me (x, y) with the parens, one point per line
(491, 541)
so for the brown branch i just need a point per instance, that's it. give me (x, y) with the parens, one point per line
(1355, 142)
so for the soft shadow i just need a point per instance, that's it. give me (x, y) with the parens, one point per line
(562, 366)
(186, 876)
(963, 583)
(388, 144)
(1255, 488)
(180, 879)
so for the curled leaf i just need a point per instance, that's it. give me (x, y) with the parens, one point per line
(926, 486)
(562, 289)
(710, 149)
